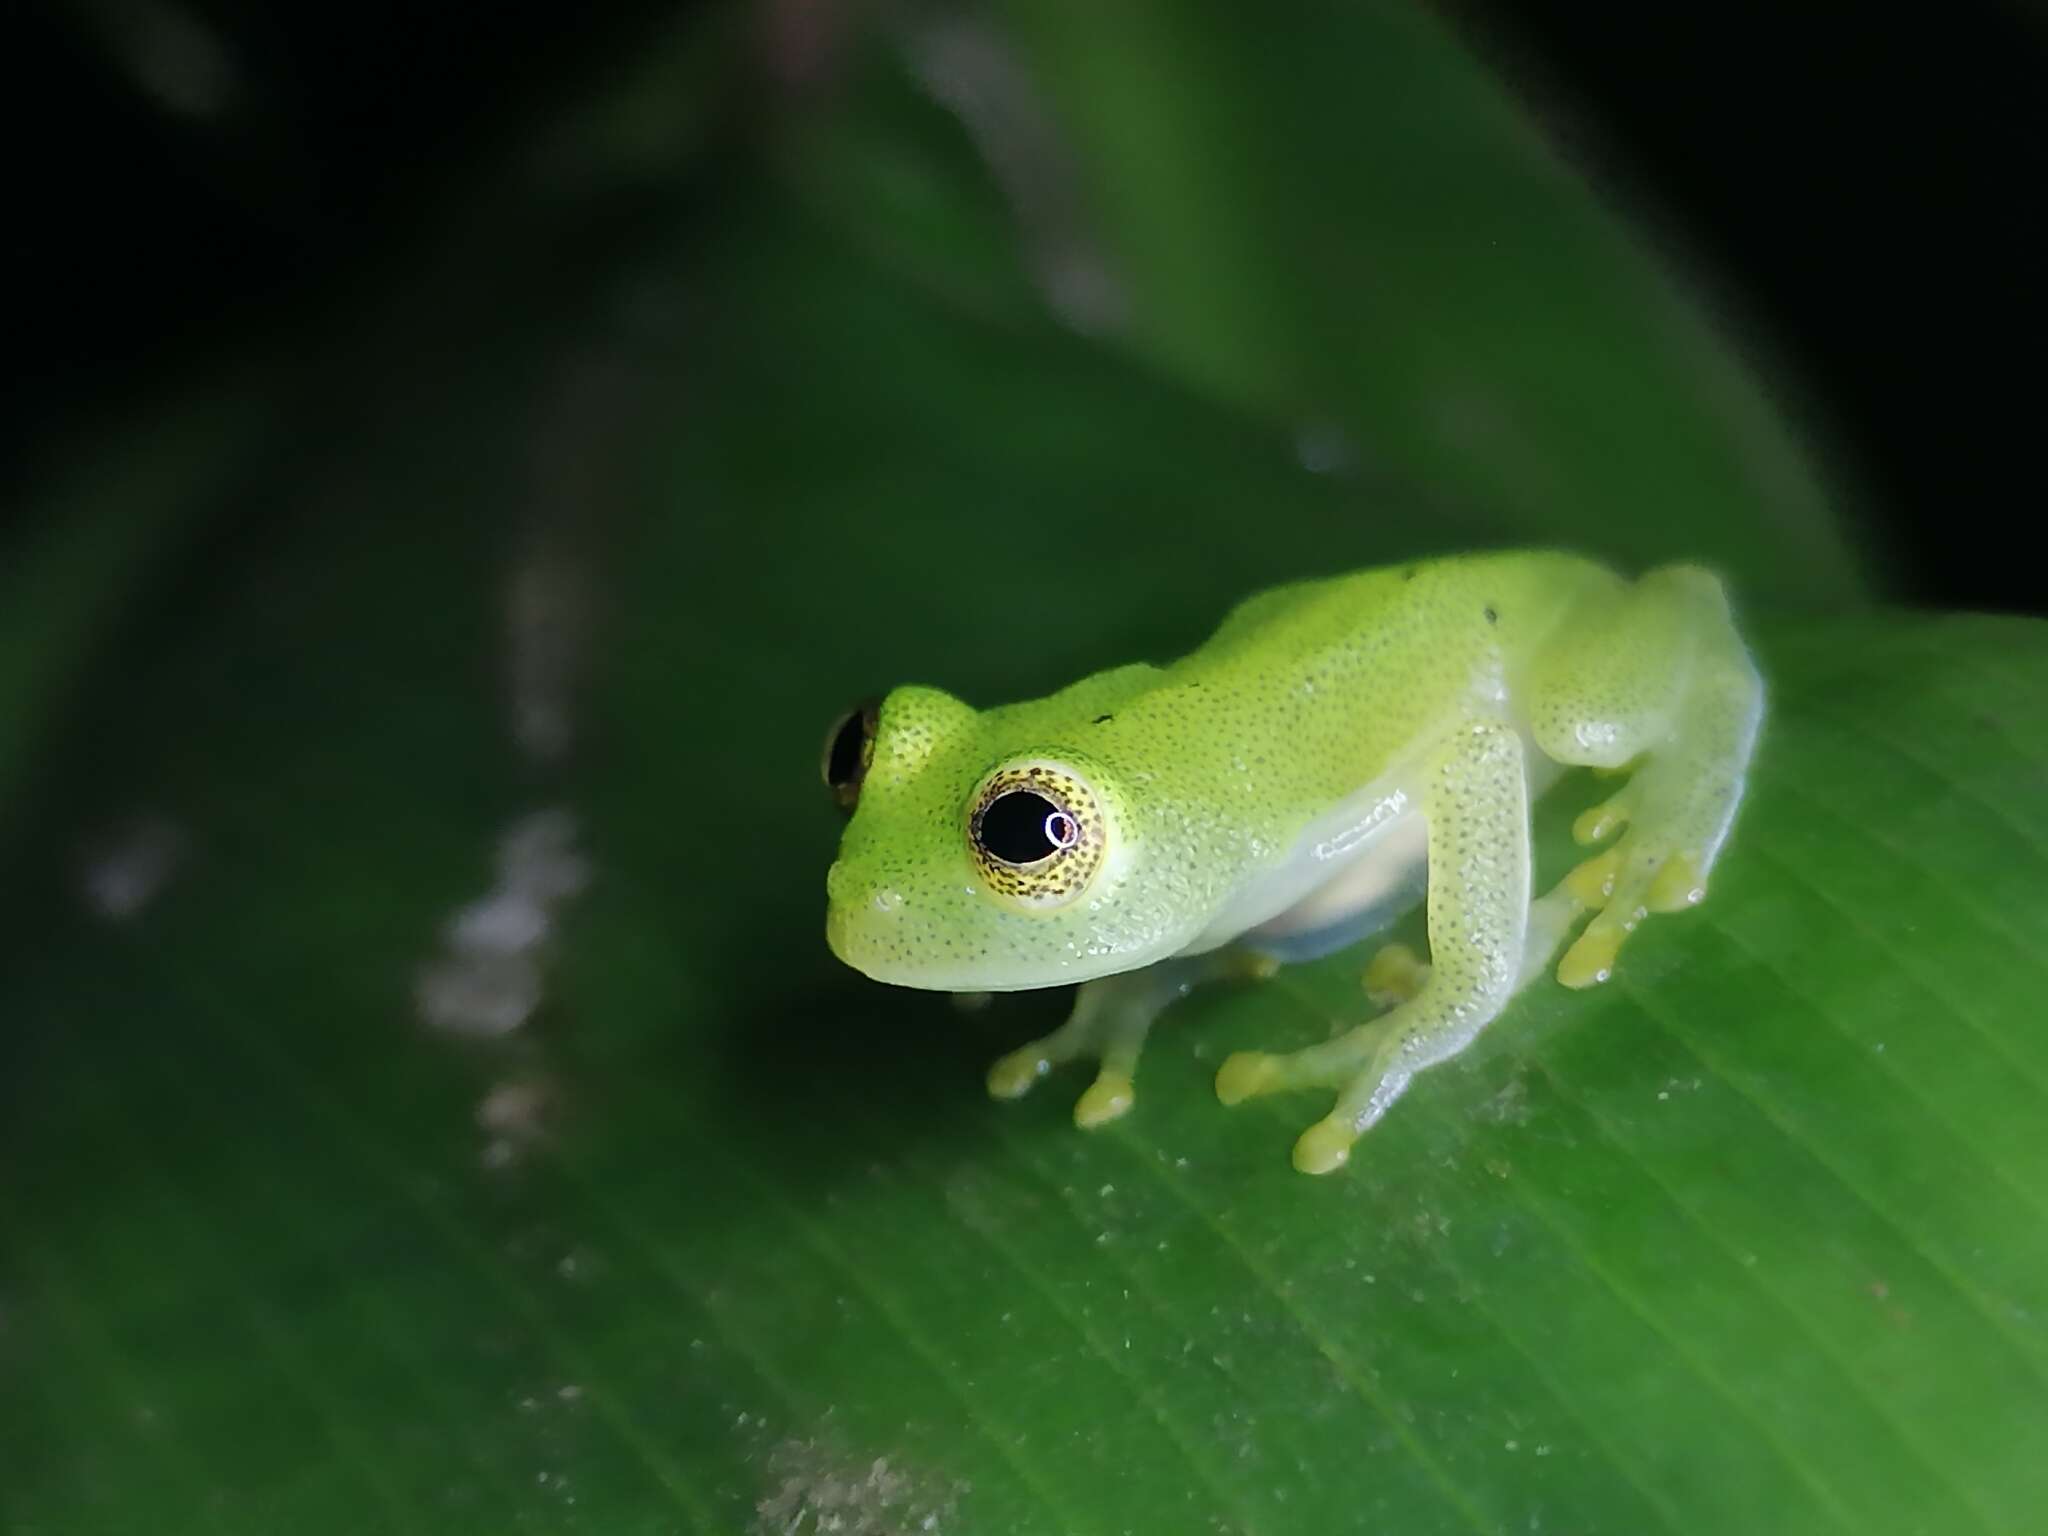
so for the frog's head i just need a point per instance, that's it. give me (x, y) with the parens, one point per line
(986, 854)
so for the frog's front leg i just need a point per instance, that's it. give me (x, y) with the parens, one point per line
(1475, 802)
(1396, 973)
(1109, 1023)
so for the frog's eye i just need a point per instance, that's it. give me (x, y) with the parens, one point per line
(1036, 833)
(1022, 827)
(848, 750)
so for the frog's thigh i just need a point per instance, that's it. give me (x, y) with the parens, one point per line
(1476, 806)
(1656, 673)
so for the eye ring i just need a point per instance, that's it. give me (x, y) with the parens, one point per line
(1036, 833)
(849, 752)
(1061, 830)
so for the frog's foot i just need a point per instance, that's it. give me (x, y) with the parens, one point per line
(1355, 1062)
(1655, 681)
(1602, 821)
(1109, 1023)
(1551, 917)
(1649, 870)
(1394, 975)
(1109, 1096)
(1240, 964)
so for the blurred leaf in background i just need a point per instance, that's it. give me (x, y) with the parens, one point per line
(428, 1102)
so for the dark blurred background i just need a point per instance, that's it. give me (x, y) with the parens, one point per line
(1856, 185)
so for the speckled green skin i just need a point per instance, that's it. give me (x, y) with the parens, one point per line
(1428, 687)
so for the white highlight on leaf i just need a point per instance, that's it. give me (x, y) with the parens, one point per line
(1323, 448)
(574, 459)
(816, 1491)
(480, 993)
(487, 981)
(544, 618)
(970, 69)
(130, 869)
(513, 1107)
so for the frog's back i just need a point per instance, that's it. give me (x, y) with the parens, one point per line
(1522, 591)
(1349, 671)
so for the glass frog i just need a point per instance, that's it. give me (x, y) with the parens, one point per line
(1336, 750)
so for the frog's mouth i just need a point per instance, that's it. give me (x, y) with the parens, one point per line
(860, 946)
(856, 945)
(838, 938)
(870, 948)
(902, 938)
(864, 929)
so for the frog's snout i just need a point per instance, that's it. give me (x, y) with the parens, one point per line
(836, 925)
(849, 907)
(835, 931)
(843, 891)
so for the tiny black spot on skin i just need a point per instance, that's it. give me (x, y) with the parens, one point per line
(1102, 719)
(1492, 617)
(1409, 574)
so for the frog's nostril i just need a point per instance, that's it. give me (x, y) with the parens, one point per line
(835, 882)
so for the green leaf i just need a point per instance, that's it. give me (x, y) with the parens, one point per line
(1340, 226)
(724, 1239)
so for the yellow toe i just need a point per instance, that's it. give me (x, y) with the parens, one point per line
(1591, 960)
(1323, 1148)
(1597, 824)
(1678, 885)
(1394, 975)
(1250, 965)
(1593, 881)
(1014, 1075)
(1108, 1097)
(1244, 1075)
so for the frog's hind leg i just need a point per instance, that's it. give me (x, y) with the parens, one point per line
(1656, 677)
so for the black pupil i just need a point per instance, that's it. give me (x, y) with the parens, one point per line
(1019, 828)
(842, 765)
